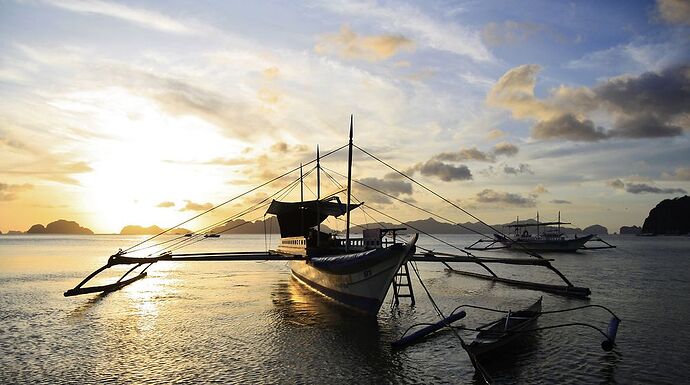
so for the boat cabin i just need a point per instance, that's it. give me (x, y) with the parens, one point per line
(300, 232)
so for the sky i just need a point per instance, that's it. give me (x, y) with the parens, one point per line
(148, 112)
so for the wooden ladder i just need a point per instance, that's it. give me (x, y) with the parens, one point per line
(401, 279)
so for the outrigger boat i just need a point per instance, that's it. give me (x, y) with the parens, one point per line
(549, 239)
(497, 335)
(356, 272)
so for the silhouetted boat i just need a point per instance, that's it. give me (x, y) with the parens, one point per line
(358, 273)
(549, 239)
(498, 334)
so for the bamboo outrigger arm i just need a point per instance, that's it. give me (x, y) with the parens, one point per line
(568, 290)
(119, 258)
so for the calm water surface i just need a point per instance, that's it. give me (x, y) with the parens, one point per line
(250, 322)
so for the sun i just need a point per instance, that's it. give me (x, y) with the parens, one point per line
(141, 157)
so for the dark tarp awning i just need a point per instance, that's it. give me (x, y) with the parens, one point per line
(295, 218)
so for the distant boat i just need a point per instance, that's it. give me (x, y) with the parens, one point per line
(549, 240)
(544, 238)
(498, 334)
(211, 235)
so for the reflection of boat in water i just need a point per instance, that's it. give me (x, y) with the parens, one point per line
(498, 334)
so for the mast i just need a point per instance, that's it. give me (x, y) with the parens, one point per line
(349, 186)
(318, 195)
(559, 222)
(301, 200)
(537, 222)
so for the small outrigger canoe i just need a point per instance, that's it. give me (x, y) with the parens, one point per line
(497, 334)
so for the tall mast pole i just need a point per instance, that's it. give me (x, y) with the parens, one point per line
(349, 186)
(301, 200)
(318, 196)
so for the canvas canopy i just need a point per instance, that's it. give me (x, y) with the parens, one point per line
(295, 218)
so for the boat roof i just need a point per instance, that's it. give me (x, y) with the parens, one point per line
(295, 218)
(538, 224)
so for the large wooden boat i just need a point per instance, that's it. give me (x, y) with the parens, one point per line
(356, 272)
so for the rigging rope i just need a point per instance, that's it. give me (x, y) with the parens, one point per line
(232, 199)
(526, 250)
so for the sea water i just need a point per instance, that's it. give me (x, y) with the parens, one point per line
(251, 322)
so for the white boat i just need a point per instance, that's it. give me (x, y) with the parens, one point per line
(549, 239)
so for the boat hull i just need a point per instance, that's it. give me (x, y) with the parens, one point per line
(362, 289)
(545, 244)
(496, 338)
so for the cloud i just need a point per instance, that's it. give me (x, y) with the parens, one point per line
(236, 118)
(569, 127)
(393, 187)
(617, 184)
(680, 173)
(464, 155)
(495, 134)
(509, 32)
(646, 106)
(503, 198)
(560, 202)
(522, 169)
(515, 91)
(11, 143)
(634, 57)
(138, 16)
(443, 171)
(166, 204)
(674, 11)
(439, 35)
(505, 148)
(191, 206)
(641, 188)
(540, 189)
(650, 105)
(282, 148)
(349, 45)
(52, 167)
(8, 192)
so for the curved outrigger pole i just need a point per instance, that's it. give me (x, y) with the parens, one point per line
(120, 259)
(115, 259)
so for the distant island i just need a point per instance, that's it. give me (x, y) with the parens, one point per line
(60, 226)
(669, 217)
(151, 230)
(630, 230)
